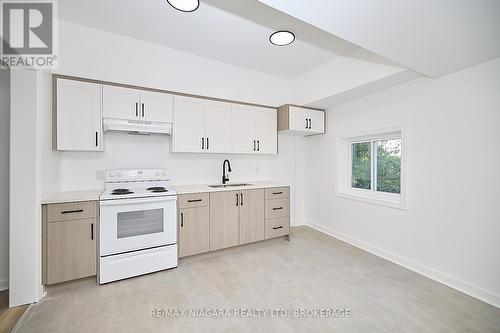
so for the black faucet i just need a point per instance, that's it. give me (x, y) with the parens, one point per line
(225, 178)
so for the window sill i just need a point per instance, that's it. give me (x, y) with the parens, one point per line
(372, 199)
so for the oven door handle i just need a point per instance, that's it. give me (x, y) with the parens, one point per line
(119, 202)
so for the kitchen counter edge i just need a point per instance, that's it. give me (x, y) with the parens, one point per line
(72, 196)
(190, 189)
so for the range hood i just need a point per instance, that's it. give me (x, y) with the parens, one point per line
(136, 126)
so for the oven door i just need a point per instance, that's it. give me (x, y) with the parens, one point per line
(135, 224)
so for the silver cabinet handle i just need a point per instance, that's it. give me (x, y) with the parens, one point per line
(182, 220)
(237, 199)
(143, 112)
(137, 109)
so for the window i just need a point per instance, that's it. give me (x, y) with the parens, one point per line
(371, 168)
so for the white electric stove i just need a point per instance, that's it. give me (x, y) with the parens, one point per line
(138, 233)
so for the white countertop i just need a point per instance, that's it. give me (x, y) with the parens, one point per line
(186, 189)
(72, 196)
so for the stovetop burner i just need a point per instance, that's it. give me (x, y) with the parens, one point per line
(121, 191)
(157, 188)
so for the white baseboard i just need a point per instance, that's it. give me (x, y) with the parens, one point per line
(460, 285)
(4, 285)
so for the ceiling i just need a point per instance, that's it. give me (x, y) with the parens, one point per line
(234, 32)
(432, 37)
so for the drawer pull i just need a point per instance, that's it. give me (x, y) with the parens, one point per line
(277, 208)
(195, 200)
(277, 193)
(72, 211)
(280, 227)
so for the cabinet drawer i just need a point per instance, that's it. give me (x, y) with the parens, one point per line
(277, 208)
(193, 200)
(71, 211)
(277, 193)
(277, 227)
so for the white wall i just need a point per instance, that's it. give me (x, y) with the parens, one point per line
(96, 54)
(4, 177)
(25, 190)
(451, 229)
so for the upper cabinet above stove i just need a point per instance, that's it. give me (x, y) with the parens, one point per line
(300, 120)
(134, 104)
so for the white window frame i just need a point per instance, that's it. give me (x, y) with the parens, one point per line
(344, 157)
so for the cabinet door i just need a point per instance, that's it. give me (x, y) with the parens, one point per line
(189, 125)
(317, 121)
(218, 127)
(79, 116)
(120, 103)
(297, 119)
(193, 231)
(224, 226)
(243, 129)
(251, 216)
(156, 106)
(71, 250)
(266, 131)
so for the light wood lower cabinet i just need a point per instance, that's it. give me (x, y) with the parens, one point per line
(69, 242)
(251, 216)
(217, 220)
(224, 212)
(193, 231)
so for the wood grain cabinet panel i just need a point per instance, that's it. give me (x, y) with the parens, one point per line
(251, 216)
(71, 211)
(277, 192)
(193, 231)
(277, 208)
(224, 226)
(193, 200)
(71, 250)
(277, 227)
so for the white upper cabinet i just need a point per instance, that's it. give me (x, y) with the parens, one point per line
(301, 121)
(217, 127)
(134, 104)
(243, 129)
(120, 103)
(266, 131)
(78, 114)
(156, 106)
(201, 126)
(189, 125)
(316, 121)
(254, 130)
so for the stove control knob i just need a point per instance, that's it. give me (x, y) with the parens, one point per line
(157, 173)
(111, 174)
(120, 174)
(164, 173)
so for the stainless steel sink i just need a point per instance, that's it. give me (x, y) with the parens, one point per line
(229, 185)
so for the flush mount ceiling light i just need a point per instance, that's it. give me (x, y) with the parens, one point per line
(185, 5)
(282, 38)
